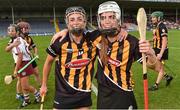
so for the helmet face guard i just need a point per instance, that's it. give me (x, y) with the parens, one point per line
(76, 10)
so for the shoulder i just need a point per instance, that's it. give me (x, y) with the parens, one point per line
(93, 33)
(162, 25)
(61, 40)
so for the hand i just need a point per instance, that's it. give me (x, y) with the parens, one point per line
(159, 56)
(122, 35)
(43, 90)
(61, 34)
(35, 54)
(15, 73)
(145, 47)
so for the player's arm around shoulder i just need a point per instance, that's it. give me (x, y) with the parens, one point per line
(60, 34)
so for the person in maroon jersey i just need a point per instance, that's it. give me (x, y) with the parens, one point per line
(22, 56)
(24, 28)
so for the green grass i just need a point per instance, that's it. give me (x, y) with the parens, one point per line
(164, 98)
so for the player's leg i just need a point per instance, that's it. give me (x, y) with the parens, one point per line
(167, 77)
(25, 89)
(158, 67)
(36, 73)
(19, 94)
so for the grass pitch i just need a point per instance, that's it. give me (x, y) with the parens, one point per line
(164, 98)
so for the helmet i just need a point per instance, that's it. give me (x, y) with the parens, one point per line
(74, 9)
(24, 24)
(13, 26)
(109, 6)
(157, 14)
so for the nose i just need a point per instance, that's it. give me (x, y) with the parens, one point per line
(107, 20)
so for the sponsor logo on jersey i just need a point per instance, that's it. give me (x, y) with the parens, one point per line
(77, 64)
(114, 62)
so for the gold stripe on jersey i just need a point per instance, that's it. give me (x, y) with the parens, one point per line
(115, 48)
(123, 67)
(81, 76)
(97, 41)
(157, 41)
(77, 78)
(131, 79)
(27, 39)
(72, 72)
(111, 69)
(63, 58)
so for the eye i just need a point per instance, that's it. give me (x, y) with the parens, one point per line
(102, 17)
(71, 19)
(80, 19)
(112, 17)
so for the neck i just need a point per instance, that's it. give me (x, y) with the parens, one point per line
(75, 38)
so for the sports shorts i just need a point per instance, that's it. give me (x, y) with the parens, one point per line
(27, 71)
(115, 98)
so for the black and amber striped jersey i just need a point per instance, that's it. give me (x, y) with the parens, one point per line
(121, 55)
(76, 62)
(30, 41)
(158, 33)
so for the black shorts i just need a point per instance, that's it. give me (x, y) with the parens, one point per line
(34, 64)
(81, 99)
(115, 98)
(66, 97)
(165, 54)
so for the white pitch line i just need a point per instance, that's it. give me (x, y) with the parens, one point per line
(94, 88)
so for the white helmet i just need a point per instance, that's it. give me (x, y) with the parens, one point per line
(109, 6)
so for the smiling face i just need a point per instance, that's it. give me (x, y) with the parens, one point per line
(76, 21)
(108, 20)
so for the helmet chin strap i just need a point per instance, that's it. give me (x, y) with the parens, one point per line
(77, 31)
(109, 32)
(26, 34)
